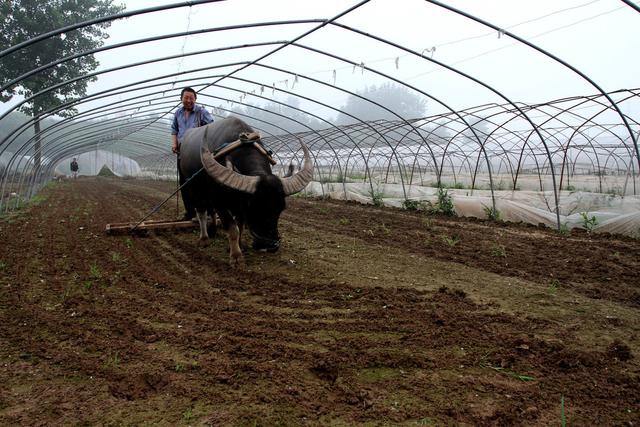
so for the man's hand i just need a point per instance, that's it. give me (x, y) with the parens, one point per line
(175, 147)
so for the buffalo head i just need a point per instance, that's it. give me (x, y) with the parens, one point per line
(266, 195)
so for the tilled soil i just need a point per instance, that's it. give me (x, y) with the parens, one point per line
(366, 316)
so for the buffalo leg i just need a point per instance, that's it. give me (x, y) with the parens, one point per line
(202, 221)
(212, 229)
(235, 253)
(240, 234)
(233, 233)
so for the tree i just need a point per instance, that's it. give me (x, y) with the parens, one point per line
(396, 98)
(21, 20)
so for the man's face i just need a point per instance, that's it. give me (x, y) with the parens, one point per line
(188, 101)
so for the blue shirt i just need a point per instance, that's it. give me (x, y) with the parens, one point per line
(198, 117)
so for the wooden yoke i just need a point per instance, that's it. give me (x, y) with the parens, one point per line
(245, 138)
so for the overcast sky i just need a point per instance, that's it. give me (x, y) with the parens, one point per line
(600, 38)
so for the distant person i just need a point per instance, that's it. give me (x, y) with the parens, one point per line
(74, 168)
(190, 115)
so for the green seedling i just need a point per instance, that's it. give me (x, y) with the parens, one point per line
(94, 272)
(508, 372)
(376, 197)
(427, 223)
(499, 251)
(553, 287)
(411, 205)
(187, 415)
(386, 230)
(443, 206)
(451, 241)
(492, 213)
(588, 223)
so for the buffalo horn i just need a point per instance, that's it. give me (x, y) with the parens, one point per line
(226, 176)
(297, 182)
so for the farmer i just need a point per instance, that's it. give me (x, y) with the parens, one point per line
(190, 115)
(74, 168)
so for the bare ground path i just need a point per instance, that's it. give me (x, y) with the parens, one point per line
(365, 316)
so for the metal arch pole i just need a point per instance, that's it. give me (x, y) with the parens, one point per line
(328, 106)
(107, 71)
(100, 20)
(471, 128)
(156, 38)
(632, 5)
(338, 128)
(84, 136)
(128, 85)
(555, 58)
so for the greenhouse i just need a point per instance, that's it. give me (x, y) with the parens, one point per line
(496, 143)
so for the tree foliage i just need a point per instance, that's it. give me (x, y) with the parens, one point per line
(399, 99)
(21, 20)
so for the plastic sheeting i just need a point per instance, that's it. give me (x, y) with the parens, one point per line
(613, 213)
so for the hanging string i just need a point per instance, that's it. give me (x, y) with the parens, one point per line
(184, 44)
(432, 50)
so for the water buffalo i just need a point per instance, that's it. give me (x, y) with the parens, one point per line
(238, 184)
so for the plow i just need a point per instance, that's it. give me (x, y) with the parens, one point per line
(143, 227)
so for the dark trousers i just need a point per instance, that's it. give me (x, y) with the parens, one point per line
(190, 211)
